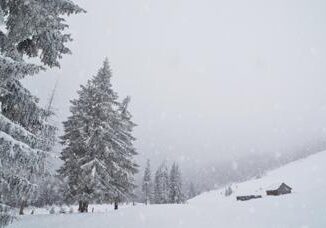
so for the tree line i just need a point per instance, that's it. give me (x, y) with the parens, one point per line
(165, 187)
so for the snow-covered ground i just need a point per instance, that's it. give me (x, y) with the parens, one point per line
(305, 207)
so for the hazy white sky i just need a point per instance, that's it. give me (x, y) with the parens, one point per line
(209, 79)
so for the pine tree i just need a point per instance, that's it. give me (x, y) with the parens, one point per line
(165, 184)
(158, 187)
(161, 185)
(35, 28)
(175, 194)
(124, 153)
(228, 191)
(98, 154)
(30, 28)
(49, 192)
(191, 191)
(147, 184)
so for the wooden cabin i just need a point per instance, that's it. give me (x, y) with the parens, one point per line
(282, 189)
(248, 197)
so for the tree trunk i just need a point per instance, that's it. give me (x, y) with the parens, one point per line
(22, 206)
(146, 195)
(82, 206)
(86, 207)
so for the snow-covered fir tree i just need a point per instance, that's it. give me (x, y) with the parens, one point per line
(50, 185)
(28, 28)
(191, 191)
(147, 185)
(158, 187)
(49, 192)
(176, 194)
(161, 185)
(98, 154)
(228, 191)
(36, 28)
(124, 154)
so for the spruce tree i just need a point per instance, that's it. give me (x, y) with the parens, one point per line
(161, 185)
(98, 154)
(124, 154)
(158, 187)
(165, 183)
(49, 192)
(28, 28)
(147, 184)
(191, 191)
(175, 194)
(228, 191)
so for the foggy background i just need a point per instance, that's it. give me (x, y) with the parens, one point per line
(211, 82)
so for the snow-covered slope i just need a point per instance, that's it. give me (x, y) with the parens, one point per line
(306, 177)
(305, 207)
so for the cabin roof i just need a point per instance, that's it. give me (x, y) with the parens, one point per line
(277, 186)
(283, 185)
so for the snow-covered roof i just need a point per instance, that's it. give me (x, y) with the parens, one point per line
(274, 186)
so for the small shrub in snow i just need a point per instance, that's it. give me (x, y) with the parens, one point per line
(62, 210)
(52, 211)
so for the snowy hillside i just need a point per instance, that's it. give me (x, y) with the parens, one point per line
(305, 207)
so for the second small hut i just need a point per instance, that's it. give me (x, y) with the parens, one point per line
(282, 189)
